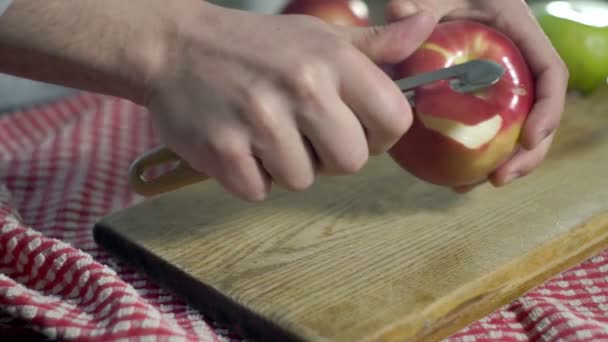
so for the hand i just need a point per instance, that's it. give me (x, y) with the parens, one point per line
(250, 99)
(514, 18)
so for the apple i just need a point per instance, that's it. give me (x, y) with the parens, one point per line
(458, 139)
(579, 33)
(339, 12)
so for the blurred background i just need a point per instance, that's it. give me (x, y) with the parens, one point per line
(578, 29)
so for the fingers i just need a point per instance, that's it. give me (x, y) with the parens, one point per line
(522, 163)
(547, 66)
(325, 108)
(515, 19)
(546, 113)
(379, 105)
(336, 135)
(229, 159)
(370, 93)
(550, 71)
(393, 42)
(399, 9)
(288, 159)
(276, 140)
(242, 174)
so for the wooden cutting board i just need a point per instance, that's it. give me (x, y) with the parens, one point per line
(377, 255)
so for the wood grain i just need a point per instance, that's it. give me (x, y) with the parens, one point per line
(378, 255)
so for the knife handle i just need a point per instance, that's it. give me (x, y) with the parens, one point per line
(179, 176)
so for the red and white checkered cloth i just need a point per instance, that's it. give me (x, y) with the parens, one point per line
(64, 165)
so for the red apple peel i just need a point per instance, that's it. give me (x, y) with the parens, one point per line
(338, 12)
(458, 139)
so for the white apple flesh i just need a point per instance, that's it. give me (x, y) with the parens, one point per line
(459, 139)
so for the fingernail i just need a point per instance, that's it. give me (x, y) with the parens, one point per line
(545, 134)
(406, 9)
(512, 176)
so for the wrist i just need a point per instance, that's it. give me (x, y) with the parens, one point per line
(140, 50)
(148, 53)
(112, 47)
(193, 33)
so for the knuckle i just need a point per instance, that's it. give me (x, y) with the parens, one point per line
(389, 131)
(400, 9)
(401, 122)
(535, 159)
(304, 77)
(560, 67)
(527, 170)
(345, 52)
(260, 115)
(553, 124)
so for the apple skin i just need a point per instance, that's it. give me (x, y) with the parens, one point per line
(579, 32)
(338, 12)
(427, 149)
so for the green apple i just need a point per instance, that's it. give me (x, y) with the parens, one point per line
(579, 31)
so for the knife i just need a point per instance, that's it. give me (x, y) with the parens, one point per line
(467, 77)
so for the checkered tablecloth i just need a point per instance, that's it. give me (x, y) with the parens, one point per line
(64, 166)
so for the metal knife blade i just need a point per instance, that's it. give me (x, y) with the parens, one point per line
(466, 77)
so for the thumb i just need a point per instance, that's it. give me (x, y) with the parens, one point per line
(441, 9)
(392, 42)
(399, 9)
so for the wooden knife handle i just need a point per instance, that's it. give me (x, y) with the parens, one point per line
(179, 176)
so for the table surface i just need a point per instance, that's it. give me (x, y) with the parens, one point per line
(82, 148)
(428, 261)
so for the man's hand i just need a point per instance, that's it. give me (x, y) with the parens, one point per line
(245, 98)
(252, 100)
(514, 18)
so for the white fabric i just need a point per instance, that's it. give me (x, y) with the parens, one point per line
(4, 5)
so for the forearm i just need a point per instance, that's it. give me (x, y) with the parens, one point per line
(110, 46)
(4, 5)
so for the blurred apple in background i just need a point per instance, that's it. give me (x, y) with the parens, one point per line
(579, 31)
(457, 139)
(339, 12)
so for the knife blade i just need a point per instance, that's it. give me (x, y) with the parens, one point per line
(467, 77)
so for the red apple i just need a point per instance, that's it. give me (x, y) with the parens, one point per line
(458, 139)
(339, 12)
